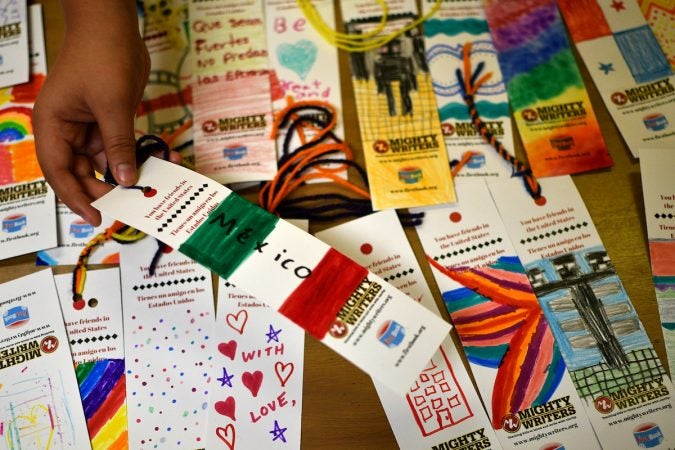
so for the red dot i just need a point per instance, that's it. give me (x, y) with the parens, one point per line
(366, 249)
(167, 249)
(455, 217)
(541, 201)
(78, 304)
(149, 192)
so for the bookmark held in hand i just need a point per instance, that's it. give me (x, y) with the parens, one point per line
(242, 242)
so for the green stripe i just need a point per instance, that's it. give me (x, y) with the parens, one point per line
(82, 371)
(230, 235)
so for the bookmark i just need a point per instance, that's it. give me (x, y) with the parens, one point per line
(167, 99)
(258, 362)
(241, 242)
(508, 342)
(95, 337)
(232, 92)
(628, 67)
(305, 64)
(73, 235)
(624, 387)
(553, 112)
(659, 196)
(168, 327)
(445, 34)
(400, 129)
(27, 203)
(660, 16)
(14, 61)
(39, 400)
(441, 409)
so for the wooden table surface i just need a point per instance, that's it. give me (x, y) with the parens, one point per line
(340, 406)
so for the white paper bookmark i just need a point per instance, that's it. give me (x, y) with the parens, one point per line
(27, 203)
(510, 347)
(441, 409)
(39, 399)
(454, 25)
(232, 91)
(95, 335)
(256, 398)
(658, 190)
(626, 391)
(628, 67)
(168, 327)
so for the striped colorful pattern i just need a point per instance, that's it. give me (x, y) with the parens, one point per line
(103, 391)
(540, 72)
(15, 123)
(502, 327)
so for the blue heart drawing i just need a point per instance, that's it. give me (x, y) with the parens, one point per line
(298, 57)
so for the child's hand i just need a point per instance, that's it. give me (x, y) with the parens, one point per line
(84, 115)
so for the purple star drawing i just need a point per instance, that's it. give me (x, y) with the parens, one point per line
(226, 379)
(278, 432)
(273, 334)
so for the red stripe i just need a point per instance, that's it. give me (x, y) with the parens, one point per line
(109, 408)
(314, 304)
(585, 19)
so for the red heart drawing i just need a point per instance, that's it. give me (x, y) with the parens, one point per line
(227, 435)
(252, 381)
(283, 371)
(226, 408)
(228, 349)
(237, 321)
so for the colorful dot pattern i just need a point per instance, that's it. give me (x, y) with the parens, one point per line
(168, 365)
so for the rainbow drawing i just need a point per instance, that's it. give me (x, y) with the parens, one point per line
(502, 327)
(15, 123)
(103, 391)
(545, 87)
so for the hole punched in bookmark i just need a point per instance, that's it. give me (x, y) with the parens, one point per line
(118, 231)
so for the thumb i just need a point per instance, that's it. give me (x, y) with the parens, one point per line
(119, 143)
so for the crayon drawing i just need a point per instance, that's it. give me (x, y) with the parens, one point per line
(502, 327)
(18, 161)
(398, 116)
(595, 325)
(550, 104)
(643, 54)
(36, 414)
(394, 79)
(298, 57)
